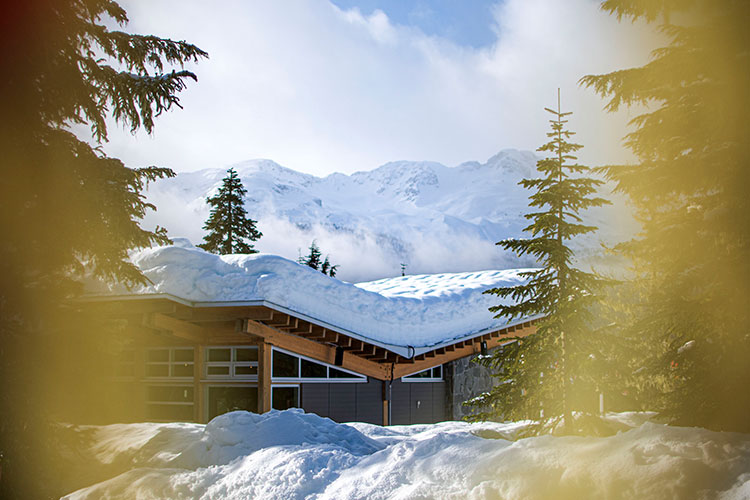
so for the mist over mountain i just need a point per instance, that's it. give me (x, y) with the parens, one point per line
(431, 217)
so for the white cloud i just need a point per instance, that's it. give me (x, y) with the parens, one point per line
(318, 89)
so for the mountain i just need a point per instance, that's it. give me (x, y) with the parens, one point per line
(429, 216)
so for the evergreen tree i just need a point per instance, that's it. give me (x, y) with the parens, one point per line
(691, 261)
(228, 226)
(328, 268)
(313, 260)
(65, 206)
(545, 374)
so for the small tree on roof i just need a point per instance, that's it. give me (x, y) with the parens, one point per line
(538, 373)
(229, 228)
(313, 259)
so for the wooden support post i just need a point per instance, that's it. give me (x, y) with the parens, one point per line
(386, 403)
(264, 377)
(199, 403)
(139, 372)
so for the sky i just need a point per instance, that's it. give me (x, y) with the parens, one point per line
(346, 85)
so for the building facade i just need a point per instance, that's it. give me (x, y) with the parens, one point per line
(188, 362)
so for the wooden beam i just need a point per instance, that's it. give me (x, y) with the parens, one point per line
(466, 348)
(264, 377)
(197, 389)
(278, 319)
(354, 345)
(315, 350)
(380, 354)
(291, 325)
(176, 327)
(386, 403)
(303, 329)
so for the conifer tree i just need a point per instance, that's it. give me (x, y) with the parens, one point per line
(313, 259)
(691, 261)
(229, 228)
(541, 375)
(67, 207)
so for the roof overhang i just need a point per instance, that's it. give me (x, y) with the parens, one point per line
(276, 323)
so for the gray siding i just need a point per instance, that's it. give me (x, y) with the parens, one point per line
(417, 402)
(412, 402)
(348, 402)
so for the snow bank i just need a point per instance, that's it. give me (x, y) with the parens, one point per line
(294, 455)
(415, 311)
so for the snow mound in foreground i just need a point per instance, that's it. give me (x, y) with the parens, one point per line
(294, 455)
(415, 311)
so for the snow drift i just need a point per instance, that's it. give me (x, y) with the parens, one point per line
(293, 455)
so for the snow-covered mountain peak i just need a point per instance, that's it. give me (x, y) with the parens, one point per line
(429, 216)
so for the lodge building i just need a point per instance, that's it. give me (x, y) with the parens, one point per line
(191, 360)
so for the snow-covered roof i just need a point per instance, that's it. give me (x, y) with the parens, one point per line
(407, 314)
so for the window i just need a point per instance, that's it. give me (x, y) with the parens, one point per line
(284, 397)
(291, 367)
(225, 399)
(434, 374)
(171, 362)
(169, 402)
(232, 363)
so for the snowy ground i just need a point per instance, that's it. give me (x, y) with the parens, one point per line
(292, 455)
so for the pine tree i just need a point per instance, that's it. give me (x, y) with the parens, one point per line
(544, 375)
(65, 206)
(691, 262)
(313, 260)
(328, 268)
(229, 228)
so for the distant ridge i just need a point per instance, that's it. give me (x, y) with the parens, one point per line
(432, 217)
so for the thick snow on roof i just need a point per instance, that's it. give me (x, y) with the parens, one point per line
(296, 455)
(409, 311)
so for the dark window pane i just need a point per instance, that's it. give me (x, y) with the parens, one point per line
(173, 413)
(157, 355)
(172, 394)
(157, 370)
(219, 355)
(183, 355)
(241, 371)
(182, 370)
(247, 354)
(285, 365)
(424, 374)
(285, 397)
(225, 399)
(437, 372)
(334, 373)
(217, 370)
(312, 370)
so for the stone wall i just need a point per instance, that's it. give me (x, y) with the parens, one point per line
(465, 380)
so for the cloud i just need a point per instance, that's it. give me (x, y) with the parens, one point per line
(320, 89)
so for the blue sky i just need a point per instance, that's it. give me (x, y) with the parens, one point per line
(468, 22)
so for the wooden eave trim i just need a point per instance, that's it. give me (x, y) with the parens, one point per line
(462, 349)
(315, 350)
